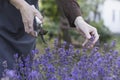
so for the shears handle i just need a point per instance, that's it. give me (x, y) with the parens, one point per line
(39, 31)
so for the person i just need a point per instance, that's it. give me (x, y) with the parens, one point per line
(71, 10)
(16, 26)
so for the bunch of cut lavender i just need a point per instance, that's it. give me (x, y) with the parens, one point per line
(59, 63)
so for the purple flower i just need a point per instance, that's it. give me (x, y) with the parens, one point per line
(115, 53)
(16, 56)
(75, 72)
(108, 78)
(11, 73)
(77, 51)
(59, 63)
(34, 75)
(113, 44)
(118, 62)
(50, 68)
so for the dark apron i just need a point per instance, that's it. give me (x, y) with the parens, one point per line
(13, 38)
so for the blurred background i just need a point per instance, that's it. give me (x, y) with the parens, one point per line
(102, 14)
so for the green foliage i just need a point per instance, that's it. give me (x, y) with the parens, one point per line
(50, 9)
(51, 19)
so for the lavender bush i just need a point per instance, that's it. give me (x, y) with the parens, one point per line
(59, 63)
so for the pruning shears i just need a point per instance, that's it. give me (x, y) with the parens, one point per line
(39, 31)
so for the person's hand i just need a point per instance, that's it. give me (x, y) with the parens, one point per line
(28, 14)
(86, 30)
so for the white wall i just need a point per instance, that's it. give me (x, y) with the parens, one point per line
(111, 15)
